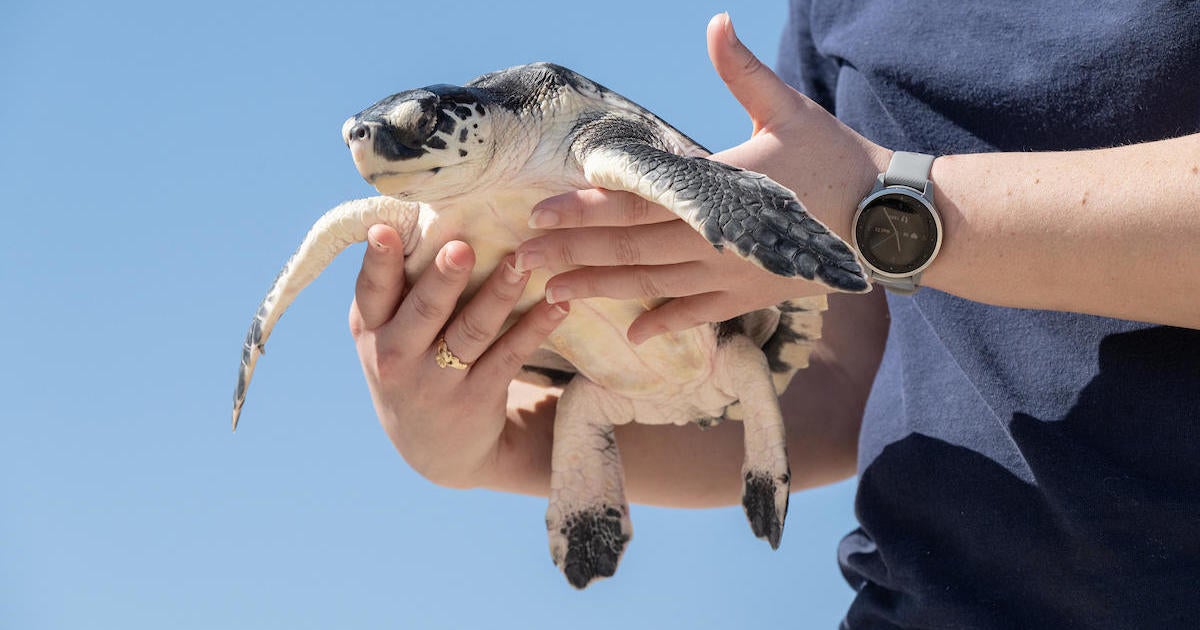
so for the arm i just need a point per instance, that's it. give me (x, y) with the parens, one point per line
(1109, 232)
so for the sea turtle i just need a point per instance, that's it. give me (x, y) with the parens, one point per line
(470, 162)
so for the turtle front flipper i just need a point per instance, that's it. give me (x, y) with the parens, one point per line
(333, 232)
(761, 220)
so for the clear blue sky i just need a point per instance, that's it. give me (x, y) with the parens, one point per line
(158, 162)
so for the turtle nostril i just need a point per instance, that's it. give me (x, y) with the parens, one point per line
(359, 132)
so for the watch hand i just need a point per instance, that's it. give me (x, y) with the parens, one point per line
(895, 231)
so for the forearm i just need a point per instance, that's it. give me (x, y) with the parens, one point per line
(687, 467)
(1111, 232)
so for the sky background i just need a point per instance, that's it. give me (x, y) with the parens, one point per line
(158, 163)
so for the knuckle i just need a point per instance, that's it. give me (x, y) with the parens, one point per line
(647, 285)
(390, 366)
(503, 291)
(425, 308)
(752, 65)
(473, 330)
(637, 210)
(625, 248)
(587, 283)
(510, 359)
(566, 255)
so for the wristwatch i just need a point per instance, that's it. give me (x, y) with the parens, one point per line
(897, 230)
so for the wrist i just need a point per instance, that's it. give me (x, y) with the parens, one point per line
(943, 177)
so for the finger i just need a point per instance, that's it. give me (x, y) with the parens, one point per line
(596, 207)
(478, 323)
(655, 244)
(763, 94)
(633, 282)
(682, 314)
(380, 282)
(428, 306)
(504, 358)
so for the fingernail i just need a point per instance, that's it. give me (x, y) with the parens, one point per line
(379, 246)
(511, 275)
(636, 338)
(543, 219)
(529, 260)
(559, 311)
(454, 264)
(555, 295)
(729, 34)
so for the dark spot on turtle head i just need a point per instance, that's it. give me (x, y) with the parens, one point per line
(462, 135)
(463, 112)
(479, 110)
(446, 124)
(436, 143)
(462, 153)
(435, 170)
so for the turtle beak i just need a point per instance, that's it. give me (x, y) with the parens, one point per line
(359, 139)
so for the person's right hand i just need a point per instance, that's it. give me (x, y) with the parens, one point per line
(446, 423)
(617, 245)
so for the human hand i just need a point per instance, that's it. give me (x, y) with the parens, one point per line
(446, 423)
(629, 248)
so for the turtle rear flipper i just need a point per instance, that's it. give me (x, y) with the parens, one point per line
(747, 211)
(766, 475)
(587, 521)
(336, 230)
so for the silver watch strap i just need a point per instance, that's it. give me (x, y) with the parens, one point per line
(900, 286)
(908, 169)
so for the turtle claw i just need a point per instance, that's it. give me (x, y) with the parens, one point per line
(765, 498)
(588, 544)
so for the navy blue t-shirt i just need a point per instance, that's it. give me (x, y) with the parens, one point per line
(1018, 468)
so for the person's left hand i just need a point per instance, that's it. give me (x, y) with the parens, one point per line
(626, 247)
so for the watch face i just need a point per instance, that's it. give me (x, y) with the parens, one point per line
(897, 234)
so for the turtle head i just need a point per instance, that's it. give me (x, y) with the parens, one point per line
(424, 144)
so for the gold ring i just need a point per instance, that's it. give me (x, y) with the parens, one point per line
(446, 359)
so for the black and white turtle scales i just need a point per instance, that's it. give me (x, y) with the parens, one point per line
(470, 162)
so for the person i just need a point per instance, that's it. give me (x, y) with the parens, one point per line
(1025, 428)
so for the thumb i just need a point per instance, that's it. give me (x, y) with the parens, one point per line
(763, 94)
